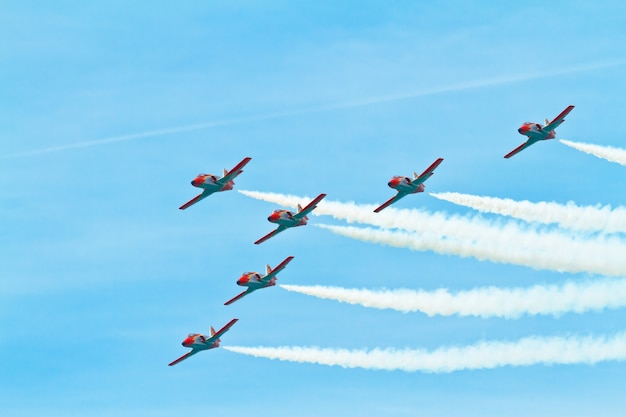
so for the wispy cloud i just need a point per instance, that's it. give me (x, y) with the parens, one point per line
(605, 152)
(482, 355)
(467, 85)
(571, 297)
(470, 237)
(570, 215)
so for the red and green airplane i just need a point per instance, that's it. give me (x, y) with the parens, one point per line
(537, 132)
(199, 342)
(212, 184)
(255, 281)
(406, 186)
(286, 219)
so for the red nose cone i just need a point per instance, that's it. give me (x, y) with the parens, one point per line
(197, 181)
(274, 217)
(188, 341)
(524, 129)
(394, 182)
(243, 280)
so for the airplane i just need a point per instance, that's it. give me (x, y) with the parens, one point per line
(200, 342)
(212, 184)
(537, 132)
(286, 219)
(254, 281)
(406, 186)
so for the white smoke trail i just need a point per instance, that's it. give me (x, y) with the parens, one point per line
(535, 250)
(605, 152)
(468, 85)
(471, 237)
(482, 355)
(577, 297)
(570, 215)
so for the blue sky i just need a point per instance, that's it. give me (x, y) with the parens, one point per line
(102, 275)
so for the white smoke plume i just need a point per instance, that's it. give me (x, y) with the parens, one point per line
(570, 216)
(605, 152)
(576, 297)
(470, 237)
(482, 355)
(536, 250)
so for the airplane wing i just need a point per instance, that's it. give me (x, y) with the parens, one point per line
(221, 331)
(390, 202)
(276, 270)
(185, 356)
(270, 234)
(309, 207)
(426, 174)
(519, 149)
(558, 120)
(233, 173)
(237, 297)
(197, 198)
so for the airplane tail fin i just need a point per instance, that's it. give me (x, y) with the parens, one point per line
(212, 331)
(547, 122)
(299, 208)
(225, 172)
(268, 269)
(415, 176)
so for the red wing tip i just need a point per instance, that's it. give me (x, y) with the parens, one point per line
(316, 200)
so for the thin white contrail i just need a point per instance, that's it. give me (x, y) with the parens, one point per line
(482, 355)
(468, 85)
(504, 242)
(570, 216)
(605, 152)
(510, 303)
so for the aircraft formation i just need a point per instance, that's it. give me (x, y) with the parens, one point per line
(286, 219)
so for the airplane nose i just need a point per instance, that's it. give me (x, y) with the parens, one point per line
(393, 182)
(273, 217)
(523, 129)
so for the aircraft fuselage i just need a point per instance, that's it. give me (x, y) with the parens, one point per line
(404, 185)
(199, 342)
(535, 132)
(210, 182)
(253, 280)
(285, 218)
